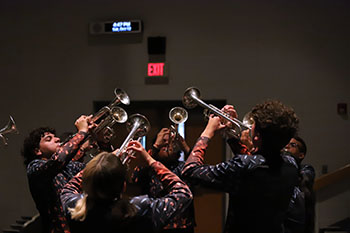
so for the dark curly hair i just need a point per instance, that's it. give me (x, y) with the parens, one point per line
(276, 123)
(32, 142)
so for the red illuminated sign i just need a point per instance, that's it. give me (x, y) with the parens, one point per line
(155, 69)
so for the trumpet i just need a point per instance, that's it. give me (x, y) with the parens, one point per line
(177, 115)
(138, 126)
(120, 97)
(110, 115)
(105, 118)
(191, 99)
(10, 127)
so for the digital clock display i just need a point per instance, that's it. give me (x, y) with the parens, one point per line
(132, 26)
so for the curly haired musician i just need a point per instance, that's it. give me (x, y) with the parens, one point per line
(259, 186)
(49, 168)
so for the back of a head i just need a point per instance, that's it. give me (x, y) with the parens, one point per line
(276, 123)
(32, 142)
(102, 209)
(104, 177)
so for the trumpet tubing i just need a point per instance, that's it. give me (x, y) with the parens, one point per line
(105, 118)
(111, 109)
(10, 127)
(138, 126)
(191, 99)
(110, 115)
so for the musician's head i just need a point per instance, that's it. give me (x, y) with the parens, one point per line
(103, 182)
(104, 177)
(168, 154)
(41, 143)
(169, 151)
(275, 124)
(297, 148)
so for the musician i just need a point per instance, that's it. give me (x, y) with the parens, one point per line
(301, 213)
(94, 199)
(49, 168)
(167, 149)
(260, 186)
(300, 217)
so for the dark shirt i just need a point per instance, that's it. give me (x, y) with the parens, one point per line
(307, 176)
(259, 193)
(152, 186)
(301, 211)
(152, 214)
(46, 179)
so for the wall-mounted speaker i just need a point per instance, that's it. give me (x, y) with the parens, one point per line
(156, 45)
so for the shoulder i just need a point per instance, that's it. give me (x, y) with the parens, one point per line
(289, 160)
(248, 161)
(34, 164)
(308, 170)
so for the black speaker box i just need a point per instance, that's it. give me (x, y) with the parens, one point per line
(156, 45)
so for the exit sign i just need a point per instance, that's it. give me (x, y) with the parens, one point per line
(157, 73)
(155, 69)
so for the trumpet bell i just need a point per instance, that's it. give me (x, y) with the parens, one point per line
(119, 114)
(121, 96)
(178, 115)
(140, 122)
(248, 120)
(188, 97)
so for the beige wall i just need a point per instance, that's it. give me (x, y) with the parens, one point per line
(243, 51)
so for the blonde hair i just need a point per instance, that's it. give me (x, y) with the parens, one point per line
(103, 180)
(79, 211)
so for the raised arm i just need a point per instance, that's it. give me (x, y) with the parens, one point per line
(178, 195)
(220, 176)
(161, 210)
(72, 192)
(50, 167)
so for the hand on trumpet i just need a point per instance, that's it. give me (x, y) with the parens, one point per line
(136, 152)
(170, 142)
(247, 140)
(162, 138)
(183, 145)
(230, 111)
(83, 123)
(214, 124)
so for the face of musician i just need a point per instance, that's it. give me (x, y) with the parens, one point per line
(293, 147)
(168, 153)
(256, 139)
(48, 145)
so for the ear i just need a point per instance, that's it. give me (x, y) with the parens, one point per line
(301, 156)
(37, 151)
(256, 136)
